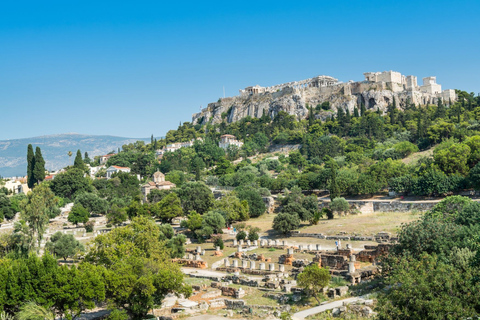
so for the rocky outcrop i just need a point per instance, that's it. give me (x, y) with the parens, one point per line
(294, 101)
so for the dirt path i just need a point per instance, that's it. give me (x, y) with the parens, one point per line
(328, 306)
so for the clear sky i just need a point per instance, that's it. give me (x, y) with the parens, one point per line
(136, 68)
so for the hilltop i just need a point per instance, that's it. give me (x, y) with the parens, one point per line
(377, 92)
(55, 150)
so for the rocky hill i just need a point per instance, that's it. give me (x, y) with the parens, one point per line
(55, 150)
(377, 91)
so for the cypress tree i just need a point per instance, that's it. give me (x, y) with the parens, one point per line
(30, 166)
(311, 119)
(340, 116)
(441, 111)
(78, 162)
(39, 168)
(362, 109)
(86, 158)
(355, 112)
(347, 115)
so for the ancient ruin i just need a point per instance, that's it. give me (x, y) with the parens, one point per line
(377, 91)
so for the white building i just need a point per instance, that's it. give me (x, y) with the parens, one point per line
(114, 169)
(104, 159)
(227, 140)
(15, 186)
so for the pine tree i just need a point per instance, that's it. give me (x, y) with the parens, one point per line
(78, 162)
(30, 166)
(39, 167)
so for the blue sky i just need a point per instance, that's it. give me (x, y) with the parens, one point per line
(136, 68)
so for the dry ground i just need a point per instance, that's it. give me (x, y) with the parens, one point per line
(363, 224)
(359, 224)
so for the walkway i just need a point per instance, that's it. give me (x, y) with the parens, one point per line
(328, 306)
(209, 273)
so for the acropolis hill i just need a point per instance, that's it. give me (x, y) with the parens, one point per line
(376, 91)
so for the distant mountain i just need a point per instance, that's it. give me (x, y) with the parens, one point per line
(13, 153)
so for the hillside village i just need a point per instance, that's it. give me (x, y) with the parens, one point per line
(306, 200)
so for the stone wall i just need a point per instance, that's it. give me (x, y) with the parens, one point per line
(192, 263)
(366, 207)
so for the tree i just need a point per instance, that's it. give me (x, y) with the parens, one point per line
(241, 235)
(339, 205)
(256, 206)
(253, 234)
(313, 279)
(40, 206)
(78, 162)
(30, 166)
(218, 242)
(452, 157)
(86, 158)
(177, 246)
(333, 185)
(196, 196)
(427, 288)
(214, 220)
(39, 168)
(193, 222)
(156, 195)
(69, 184)
(33, 311)
(285, 222)
(6, 210)
(92, 202)
(197, 166)
(66, 291)
(449, 208)
(138, 269)
(235, 209)
(310, 204)
(116, 215)
(78, 214)
(63, 245)
(169, 207)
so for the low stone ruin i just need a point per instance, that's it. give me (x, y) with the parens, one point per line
(371, 253)
(192, 263)
(337, 292)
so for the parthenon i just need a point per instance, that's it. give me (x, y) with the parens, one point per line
(316, 82)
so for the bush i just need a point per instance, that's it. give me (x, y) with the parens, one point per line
(242, 235)
(218, 243)
(329, 213)
(285, 222)
(89, 226)
(339, 205)
(253, 235)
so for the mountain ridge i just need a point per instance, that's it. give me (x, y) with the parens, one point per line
(55, 148)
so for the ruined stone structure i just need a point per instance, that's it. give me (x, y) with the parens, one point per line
(377, 91)
(316, 82)
(192, 263)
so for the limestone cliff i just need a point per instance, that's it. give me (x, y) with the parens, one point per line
(294, 101)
